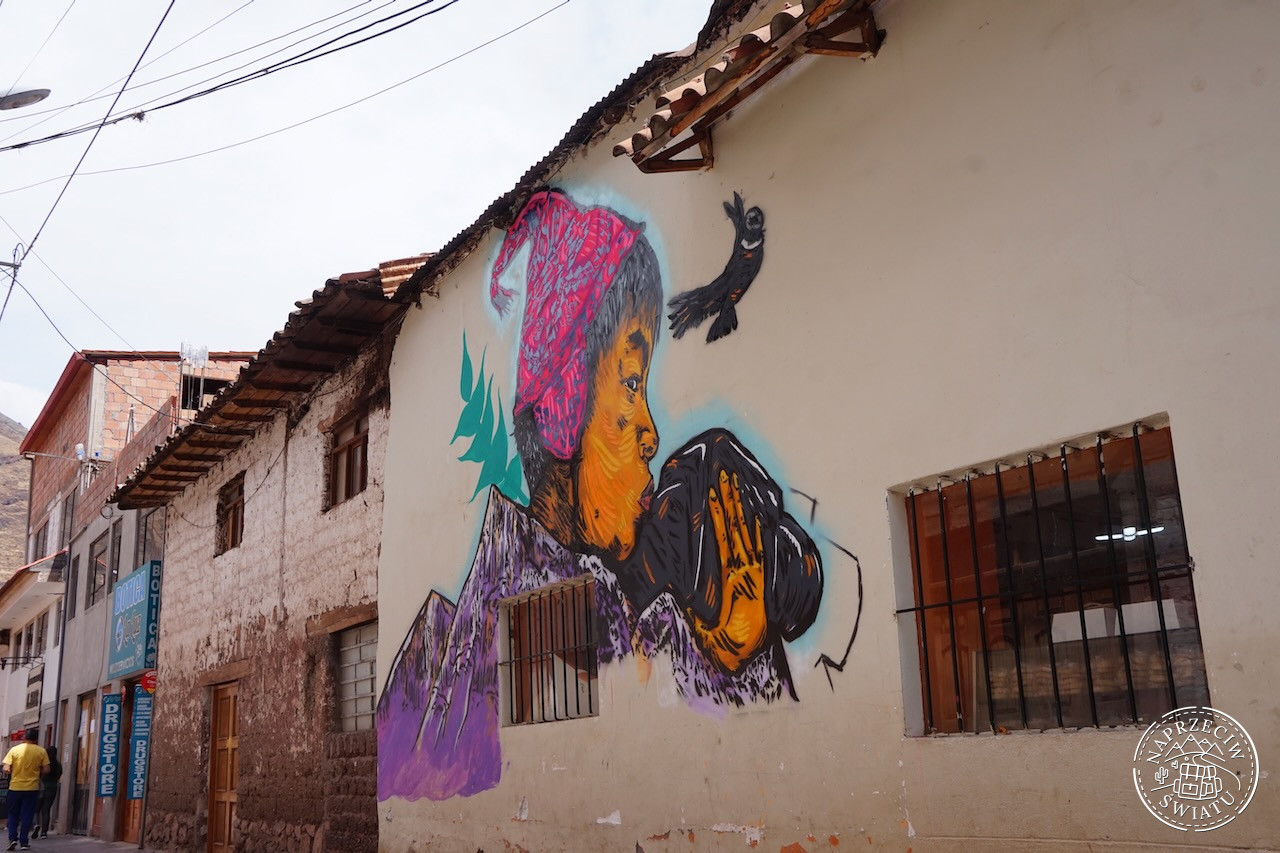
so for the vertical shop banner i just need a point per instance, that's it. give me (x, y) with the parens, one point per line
(139, 743)
(135, 609)
(109, 744)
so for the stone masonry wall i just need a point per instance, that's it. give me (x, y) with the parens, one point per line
(245, 616)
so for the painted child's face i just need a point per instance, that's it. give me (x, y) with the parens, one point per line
(614, 484)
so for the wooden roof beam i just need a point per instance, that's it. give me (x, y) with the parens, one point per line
(258, 404)
(350, 325)
(302, 366)
(245, 416)
(286, 387)
(329, 348)
(196, 457)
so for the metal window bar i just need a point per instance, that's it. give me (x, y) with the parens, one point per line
(951, 611)
(1044, 589)
(982, 609)
(1186, 550)
(1144, 511)
(551, 650)
(1104, 489)
(920, 615)
(1075, 566)
(1013, 602)
(1151, 572)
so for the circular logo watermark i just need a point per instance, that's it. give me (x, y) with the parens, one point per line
(1195, 769)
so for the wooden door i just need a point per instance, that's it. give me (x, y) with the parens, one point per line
(82, 776)
(224, 767)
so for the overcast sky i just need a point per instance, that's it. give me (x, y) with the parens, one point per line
(215, 250)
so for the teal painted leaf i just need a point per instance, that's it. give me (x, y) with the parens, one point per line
(513, 483)
(469, 420)
(467, 372)
(495, 463)
(481, 447)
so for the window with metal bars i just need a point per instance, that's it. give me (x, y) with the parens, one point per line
(357, 656)
(1055, 592)
(549, 657)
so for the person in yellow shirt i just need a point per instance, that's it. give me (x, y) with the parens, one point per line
(24, 764)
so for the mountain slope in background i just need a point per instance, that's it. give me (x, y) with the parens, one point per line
(14, 472)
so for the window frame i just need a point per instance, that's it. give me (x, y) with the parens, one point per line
(1039, 553)
(143, 538)
(355, 680)
(117, 542)
(40, 543)
(230, 524)
(73, 587)
(536, 675)
(342, 459)
(96, 578)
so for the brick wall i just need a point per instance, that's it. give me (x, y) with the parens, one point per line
(243, 616)
(51, 477)
(111, 474)
(151, 383)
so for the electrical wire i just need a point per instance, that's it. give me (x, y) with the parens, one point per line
(22, 73)
(97, 95)
(72, 176)
(128, 393)
(292, 62)
(70, 290)
(325, 114)
(52, 112)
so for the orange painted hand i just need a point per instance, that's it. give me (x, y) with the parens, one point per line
(740, 630)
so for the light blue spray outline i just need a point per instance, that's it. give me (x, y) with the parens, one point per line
(675, 430)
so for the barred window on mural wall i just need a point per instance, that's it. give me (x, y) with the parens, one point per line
(1056, 592)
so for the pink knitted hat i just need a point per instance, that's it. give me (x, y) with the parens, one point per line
(575, 255)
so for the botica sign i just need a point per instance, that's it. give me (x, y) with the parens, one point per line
(135, 609)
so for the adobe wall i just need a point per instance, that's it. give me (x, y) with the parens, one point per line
(254, 615)
(1020, 223)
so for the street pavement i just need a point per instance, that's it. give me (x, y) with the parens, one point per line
(74, 844)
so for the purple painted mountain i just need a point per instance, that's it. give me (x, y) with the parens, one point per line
(438, 717)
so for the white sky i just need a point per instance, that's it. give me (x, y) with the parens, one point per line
(216, 249)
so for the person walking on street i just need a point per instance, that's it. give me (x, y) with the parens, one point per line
(49, 784)
(24, 764)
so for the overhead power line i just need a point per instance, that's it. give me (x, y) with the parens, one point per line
(85, 154)
(317, 117)
(53, 112)
(302, 58)
(40, 49)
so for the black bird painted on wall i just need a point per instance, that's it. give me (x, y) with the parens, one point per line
(690, 308)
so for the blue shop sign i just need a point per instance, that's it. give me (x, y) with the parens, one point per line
(139, 743)
(109, 744)
(135, 610)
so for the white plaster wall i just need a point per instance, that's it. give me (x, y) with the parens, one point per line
(1022, 222)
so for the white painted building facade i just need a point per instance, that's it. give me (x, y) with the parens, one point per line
(1020, 226)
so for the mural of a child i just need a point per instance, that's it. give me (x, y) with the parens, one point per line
(707, 567)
